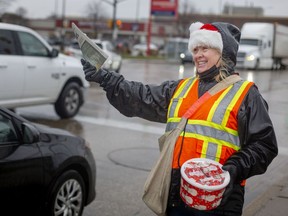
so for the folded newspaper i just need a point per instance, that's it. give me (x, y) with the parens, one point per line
(91, 52)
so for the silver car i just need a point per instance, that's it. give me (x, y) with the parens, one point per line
(114, 60)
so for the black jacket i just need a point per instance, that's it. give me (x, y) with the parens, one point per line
(256, 132)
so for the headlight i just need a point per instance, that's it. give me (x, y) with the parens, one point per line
(250, 57)
(109, 61)
(182, 55)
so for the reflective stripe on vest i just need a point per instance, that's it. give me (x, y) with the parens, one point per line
(212, 132)
(210, 129)
(180, 93)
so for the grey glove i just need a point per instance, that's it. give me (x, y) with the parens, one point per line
(229, 188)
(91, 74)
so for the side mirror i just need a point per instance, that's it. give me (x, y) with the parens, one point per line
(30, 133)
(54, 53)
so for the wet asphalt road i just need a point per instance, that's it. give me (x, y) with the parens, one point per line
(126, 148)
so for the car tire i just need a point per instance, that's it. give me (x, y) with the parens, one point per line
(69, 101)
(67, 196)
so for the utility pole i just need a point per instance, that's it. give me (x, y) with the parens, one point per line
(63, 30)
(114, 26)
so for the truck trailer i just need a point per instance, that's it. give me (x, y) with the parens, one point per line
(262, 46)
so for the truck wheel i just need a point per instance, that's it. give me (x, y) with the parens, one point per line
(69, 101)
(67, 196)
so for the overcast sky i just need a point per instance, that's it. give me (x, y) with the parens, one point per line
(137, 9)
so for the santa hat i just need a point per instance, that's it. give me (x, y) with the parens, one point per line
(204, 35)
(223, 36)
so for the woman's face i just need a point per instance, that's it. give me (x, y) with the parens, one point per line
(205, 57)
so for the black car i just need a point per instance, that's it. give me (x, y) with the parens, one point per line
(186, 57)
(43, 171)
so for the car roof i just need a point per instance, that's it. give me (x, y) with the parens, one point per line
(13, 27)
(100, 41)
(96, 40)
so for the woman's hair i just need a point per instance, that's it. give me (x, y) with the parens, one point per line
(224, 70)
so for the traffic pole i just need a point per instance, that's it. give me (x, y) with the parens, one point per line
(149, 34)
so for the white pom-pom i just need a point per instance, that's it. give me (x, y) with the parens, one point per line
(195, 26)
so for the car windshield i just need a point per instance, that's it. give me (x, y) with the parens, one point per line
(252, 42)
(75, 46)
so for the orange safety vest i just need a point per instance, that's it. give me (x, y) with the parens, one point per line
(211, 132)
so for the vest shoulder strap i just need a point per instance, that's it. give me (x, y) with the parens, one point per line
(215, 89)
(224, 84)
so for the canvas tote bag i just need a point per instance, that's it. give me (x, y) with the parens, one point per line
(157, 185)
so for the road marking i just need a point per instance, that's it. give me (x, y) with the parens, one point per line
(122, 124)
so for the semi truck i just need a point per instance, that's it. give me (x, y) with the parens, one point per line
(262, 46)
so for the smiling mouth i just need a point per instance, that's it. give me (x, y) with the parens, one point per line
(201, 64)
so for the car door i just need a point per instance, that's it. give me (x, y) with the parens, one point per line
(21, 172)
(42, 77)
(12, 70)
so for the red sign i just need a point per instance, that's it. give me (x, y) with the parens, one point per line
(164, 7)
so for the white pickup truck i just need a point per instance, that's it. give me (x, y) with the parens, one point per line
(34, 73)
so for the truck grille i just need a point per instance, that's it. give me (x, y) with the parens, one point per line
(241, 55)
(240, 59)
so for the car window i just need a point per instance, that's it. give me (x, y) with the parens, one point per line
(7, 47)
(100, 45)
(31, 45)
(7, 131)
(75, 45)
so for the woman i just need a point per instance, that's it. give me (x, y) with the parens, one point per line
(233, 127)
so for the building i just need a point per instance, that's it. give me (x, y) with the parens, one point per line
(131, 32)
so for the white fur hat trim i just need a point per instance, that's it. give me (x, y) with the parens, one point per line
(204, 37)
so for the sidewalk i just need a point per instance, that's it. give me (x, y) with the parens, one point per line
(274, 202)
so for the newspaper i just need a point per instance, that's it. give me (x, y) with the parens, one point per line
(91, 52)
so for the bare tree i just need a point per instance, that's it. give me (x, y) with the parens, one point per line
(96, 12)
(17, 17)
(95, 9)
(4, 4)
(186, 9)
(21, 12)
